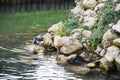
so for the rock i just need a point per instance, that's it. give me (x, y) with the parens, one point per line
(67, 45)
(83, 35)
(70, 45)
(81, 18)
(76, 32)
(77, 2)
(87, 33)
(68, 49)
(98, 7)
(110, 25)
(52, 30)
(89, 4)
(108, 38)
(117, 7)
(104, 64)
(36, 48)
(101, 1)
(116, 27)
(98, 50)
(112, 53)
(117, 62)
(91, 65)
(66, 59)
(88, 56)
(114, 1)
(47, 40)
(89, 21)
(89, 13)
(79, 70)
(83, 55)
(58, 43)
(116, 42)
(77, 11)
(103, 52)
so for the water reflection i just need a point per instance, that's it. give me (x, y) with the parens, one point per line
(30, 67)
(21, 64)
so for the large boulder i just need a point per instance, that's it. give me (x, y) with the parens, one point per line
(47, 40)
(112, 53)
(117, 62)
(89, 21)
(116, 27)
(108, 38)
(70, 45)
(89, 4)
(116, 42)
(52, 30)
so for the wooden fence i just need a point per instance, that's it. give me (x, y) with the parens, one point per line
(12, 6)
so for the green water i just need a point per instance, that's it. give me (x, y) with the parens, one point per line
(33, 22)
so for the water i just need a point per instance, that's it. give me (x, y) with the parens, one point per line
(14, 65)
(18, 63)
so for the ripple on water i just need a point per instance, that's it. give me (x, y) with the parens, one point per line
(9, 77)
(26, 66)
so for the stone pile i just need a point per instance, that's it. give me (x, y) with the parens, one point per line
(69, 48)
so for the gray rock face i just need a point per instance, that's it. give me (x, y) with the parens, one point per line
(112, 53)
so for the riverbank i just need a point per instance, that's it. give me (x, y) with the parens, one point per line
(90, 37)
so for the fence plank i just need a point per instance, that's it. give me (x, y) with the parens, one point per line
(12, 6)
